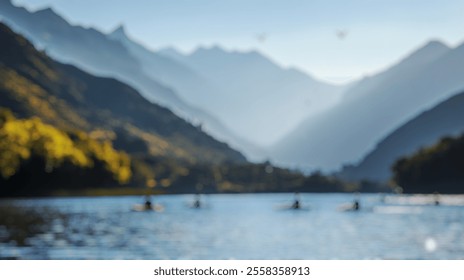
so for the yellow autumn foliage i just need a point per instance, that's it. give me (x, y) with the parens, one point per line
(116, 162)
(22, 138)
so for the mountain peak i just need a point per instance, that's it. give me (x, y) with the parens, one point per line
(215, 49)
(423, 55)
(431, 49)
(436, 45)
(48, 14)
(46, 11)
(119, 31)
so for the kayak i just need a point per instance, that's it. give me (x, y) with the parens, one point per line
(347, 207)
(290, 207)
(143, 208)
(193, 206)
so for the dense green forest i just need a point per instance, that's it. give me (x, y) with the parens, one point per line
(439, 168)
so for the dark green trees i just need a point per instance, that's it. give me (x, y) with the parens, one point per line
(437, 168)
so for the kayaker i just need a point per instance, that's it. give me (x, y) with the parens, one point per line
(148, 204)
(296, 203)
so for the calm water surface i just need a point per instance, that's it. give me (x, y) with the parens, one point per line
(249, 226)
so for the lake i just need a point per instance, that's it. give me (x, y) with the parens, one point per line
(242, 226)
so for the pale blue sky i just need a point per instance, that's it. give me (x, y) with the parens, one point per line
(300, 33)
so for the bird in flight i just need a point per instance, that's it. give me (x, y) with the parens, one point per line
(341, 34)
(261, 37)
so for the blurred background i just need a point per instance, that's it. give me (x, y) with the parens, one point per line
(110, 108)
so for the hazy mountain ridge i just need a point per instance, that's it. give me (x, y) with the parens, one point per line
(94, 52)
(373, 108)
(62, 106)
(223, 83)
(189, 85)
(164, 69)
(445, 119)
(34, 85)
(271, 99)
(49, 31)
(262, 101)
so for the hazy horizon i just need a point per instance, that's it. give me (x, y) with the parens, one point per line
(315, 37)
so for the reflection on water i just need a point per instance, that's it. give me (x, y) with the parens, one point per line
(17, 224)
(233, 227)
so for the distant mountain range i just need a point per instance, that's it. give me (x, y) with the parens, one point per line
(373, 108)
(239, 98)
(262, 109)
(64, 130)
(65, 123)
(33, 85)
(187, 83)
(445, 119)
(251, 94)
(98, 54)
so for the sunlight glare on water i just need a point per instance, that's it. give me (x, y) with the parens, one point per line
(430, 244)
